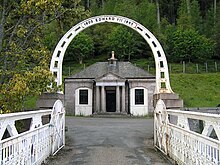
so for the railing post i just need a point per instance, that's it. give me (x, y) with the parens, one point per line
(160, 126)
(36, 122)
(57, 126)
(218, 156)
(64, 142)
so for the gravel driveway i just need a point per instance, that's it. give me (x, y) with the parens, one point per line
(108, 141)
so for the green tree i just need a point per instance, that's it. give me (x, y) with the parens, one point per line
(30, 83)
(20, 34)
(125, 8)
(121, 40)
(209, 24)
(24, 59)
(217, 32)
(142, 11)
(189, 15)
(146, 14)
(168, 10)
(188, 44)
(81, 47)
(67, 15)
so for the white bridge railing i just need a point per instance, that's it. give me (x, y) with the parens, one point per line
(44, 136)
(187, 137)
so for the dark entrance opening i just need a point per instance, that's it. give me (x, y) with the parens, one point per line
(110, 101)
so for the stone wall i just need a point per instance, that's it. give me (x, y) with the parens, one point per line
(72, 84)
(70, 87)
(149, 84)
(171, 100)
(47, 100)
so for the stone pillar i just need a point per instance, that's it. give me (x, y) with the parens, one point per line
(97, 99)
(171, 100)
(123, 100)
(103, 100)
(117, 99)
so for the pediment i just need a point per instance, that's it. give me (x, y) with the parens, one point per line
(110, 77)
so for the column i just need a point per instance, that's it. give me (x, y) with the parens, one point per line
(103, 100)
(97, 99)
(117, 99)
(123, 100)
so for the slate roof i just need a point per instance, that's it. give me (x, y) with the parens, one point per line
(123, 69)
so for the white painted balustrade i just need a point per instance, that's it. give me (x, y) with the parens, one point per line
(38, 142)
(187, 137)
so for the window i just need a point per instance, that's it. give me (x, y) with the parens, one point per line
(139, 96)
(83, 96)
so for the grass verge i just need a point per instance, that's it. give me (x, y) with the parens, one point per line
(197, 90)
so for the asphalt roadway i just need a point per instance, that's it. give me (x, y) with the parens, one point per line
(108, 141)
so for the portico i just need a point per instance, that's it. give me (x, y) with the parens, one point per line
(105, 90)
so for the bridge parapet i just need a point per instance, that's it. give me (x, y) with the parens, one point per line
(40, 139)
(174, 136)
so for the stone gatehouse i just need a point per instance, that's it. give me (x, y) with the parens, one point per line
(113, 86)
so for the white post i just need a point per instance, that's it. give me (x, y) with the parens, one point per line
(117, 99)
(123, 100)
(97, 99)
(103, 108)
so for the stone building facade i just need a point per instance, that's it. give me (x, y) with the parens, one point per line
(114, 87)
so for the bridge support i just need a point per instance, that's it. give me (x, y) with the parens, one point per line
(171, 100)
(47, 100)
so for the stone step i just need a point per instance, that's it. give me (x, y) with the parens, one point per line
(111, 115)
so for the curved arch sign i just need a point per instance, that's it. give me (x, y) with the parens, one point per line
(162, 74)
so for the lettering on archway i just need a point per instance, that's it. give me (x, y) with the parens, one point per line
(162, 74)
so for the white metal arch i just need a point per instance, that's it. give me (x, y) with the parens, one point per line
(162, 74)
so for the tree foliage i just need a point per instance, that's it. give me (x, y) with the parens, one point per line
(189, 14)
(81, 47)
(122, 42)
(216, 35)
(187, 44)
(24, 58)
(30, 83)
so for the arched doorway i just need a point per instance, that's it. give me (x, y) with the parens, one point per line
(162, 74)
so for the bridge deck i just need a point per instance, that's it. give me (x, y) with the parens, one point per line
(108, 141)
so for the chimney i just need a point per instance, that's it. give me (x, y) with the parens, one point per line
(112, 63)
(112, 60)
(113, 55)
